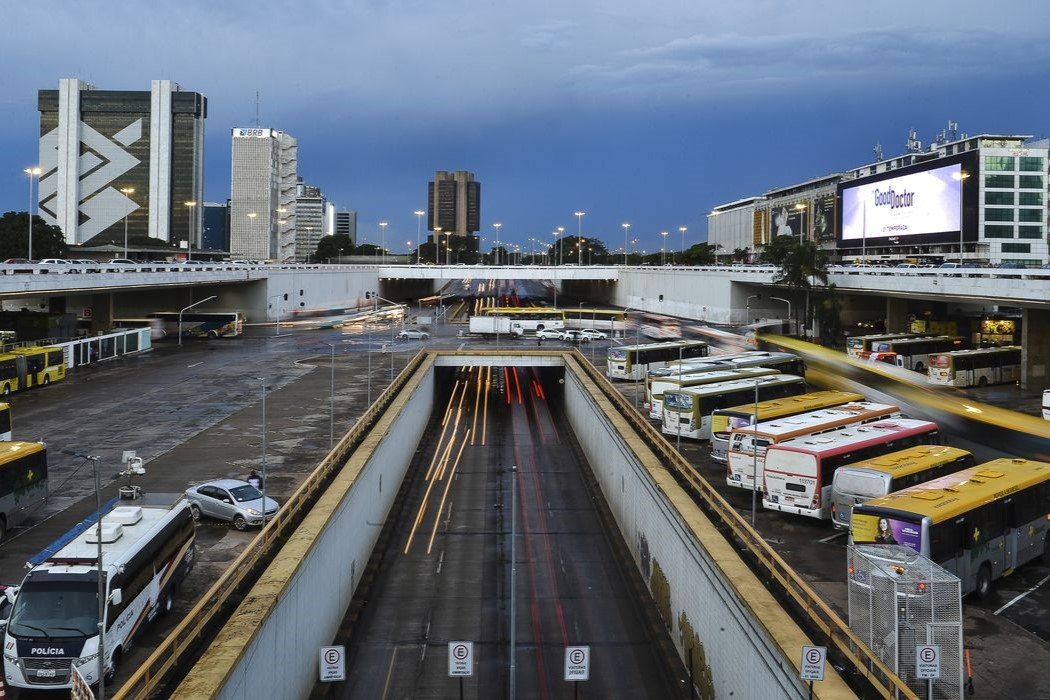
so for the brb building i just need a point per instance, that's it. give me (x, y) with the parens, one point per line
(110, 154)
(977, 200)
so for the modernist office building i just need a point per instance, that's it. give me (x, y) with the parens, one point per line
(346, 224)
(98, 145)
(984, 200)
(454, 204)
(215, 231)
(263, 189)
(310, 215)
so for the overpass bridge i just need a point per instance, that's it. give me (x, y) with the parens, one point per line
(728, 609)
(715, 294)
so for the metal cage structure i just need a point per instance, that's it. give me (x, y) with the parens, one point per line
(900, 600)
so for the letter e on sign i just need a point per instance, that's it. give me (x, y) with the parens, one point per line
(332, 664)
(577, 663)
(813, 663)
(460, 659)
(928, 661)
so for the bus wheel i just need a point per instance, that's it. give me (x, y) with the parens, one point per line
(984, 582)
(47, 380)
(982, 381)
(114, 662)
(213, 334)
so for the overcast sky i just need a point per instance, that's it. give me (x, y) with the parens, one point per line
(650, 113)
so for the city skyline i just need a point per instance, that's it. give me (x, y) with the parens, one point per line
(646, 117)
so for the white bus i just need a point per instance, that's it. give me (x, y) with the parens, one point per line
(746, 458)
(147, 550)
(687, 412)
(781, 361)
(859, 343)
(633, 361)
(199, 324)
(799, 472)
(880, 476)
(655, 388)
(914, 353)
(976, 367)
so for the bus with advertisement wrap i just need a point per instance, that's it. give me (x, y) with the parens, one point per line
(914, 353)
(655, 388)
(747, 446)
(799, 472)
(633, 361)
(978, 523)
(687, 412)
(882, 475)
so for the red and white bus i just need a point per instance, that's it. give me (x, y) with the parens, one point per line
(799, 472)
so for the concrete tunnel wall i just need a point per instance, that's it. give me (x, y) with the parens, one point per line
(743, 660)
(281, 661)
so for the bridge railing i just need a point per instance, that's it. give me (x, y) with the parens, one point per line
(818, 619)
(192, 632)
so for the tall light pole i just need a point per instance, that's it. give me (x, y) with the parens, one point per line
(663, 247)
(419, 228)
(801, 209)
(497, 226)
(382, 238)
(31, 172)
(682, 230)
(196, 303)
(961, 176)
(626, 227)
(561, 230)
(579, 235)
(126, 191)
(251, 227)
(437, 245)
(331, 417)
(189, 228)
(448, 247)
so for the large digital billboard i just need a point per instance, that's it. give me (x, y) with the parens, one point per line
(916, 204)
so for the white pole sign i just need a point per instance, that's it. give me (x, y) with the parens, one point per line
(577, 663)
(460, 659)
(928, 661)
(813, 663)
(332, 664)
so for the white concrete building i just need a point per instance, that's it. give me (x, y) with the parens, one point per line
(262, 194)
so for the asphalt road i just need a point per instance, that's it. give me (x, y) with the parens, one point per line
(447, 573)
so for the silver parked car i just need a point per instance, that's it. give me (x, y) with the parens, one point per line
(413, 334)
(231, 500)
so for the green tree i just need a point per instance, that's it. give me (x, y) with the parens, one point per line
(698, 254)
(333, 247)
(802, 266)
(48, 241)
(740, 254)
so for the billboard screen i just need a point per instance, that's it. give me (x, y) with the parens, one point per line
(787, 221)
(824, 218)
(915, 204)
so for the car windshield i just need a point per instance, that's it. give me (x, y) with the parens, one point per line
(55, 609)
(245, 493)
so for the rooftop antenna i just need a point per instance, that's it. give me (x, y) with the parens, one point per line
(914, 144)
(256, 108)
(878, 151)
(953, 130)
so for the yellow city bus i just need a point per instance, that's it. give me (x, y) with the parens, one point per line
(5, 422)
(978, 523)
(25, 368)
(725, 420)
(880, 476)
(23, 481)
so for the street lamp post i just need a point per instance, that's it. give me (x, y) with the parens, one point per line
(196, 303)
(251, 227)
(448, 247)
(626, 227)
(331, 417)
(126, 191)
(801, 208)
(663, 247)
(437, 245)
(419, 228)
(31, 172)
(189, 233)
(382, 238)
(961, 176)
(682, 230)
(579, 236)
(497, 226)
(561, 230)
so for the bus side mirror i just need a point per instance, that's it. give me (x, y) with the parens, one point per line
(116, 597)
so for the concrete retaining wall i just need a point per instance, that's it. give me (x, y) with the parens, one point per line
(281, 661)
(743, 660)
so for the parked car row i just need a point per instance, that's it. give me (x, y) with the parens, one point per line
(571, 335)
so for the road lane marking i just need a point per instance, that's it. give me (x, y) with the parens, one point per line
(441, 561)
(389, 673)
(1022, 595)
(829, 538)
(195, 364)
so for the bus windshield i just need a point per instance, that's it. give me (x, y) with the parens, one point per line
(940, 361)
(55, 610)
(617, 354)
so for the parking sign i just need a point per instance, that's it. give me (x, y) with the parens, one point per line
(928, 661)
(813, 663)
(332, 664)
(460, 659)
(577, 663)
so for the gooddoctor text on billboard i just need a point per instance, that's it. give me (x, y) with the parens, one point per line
(910, 205)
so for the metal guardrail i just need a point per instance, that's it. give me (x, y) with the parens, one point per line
(184, 640)
(818, 616)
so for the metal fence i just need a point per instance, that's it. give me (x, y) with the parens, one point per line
(900, 600)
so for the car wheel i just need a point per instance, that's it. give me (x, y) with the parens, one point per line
(239, 522)
(195, 512)
(213, 334)
(114, 663)
(426, 336)
(983, 381)
(984, 582)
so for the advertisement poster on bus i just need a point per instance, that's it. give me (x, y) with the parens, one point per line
(877, 529)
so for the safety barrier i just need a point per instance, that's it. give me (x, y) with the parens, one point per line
(182, 643)
(818, 618)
